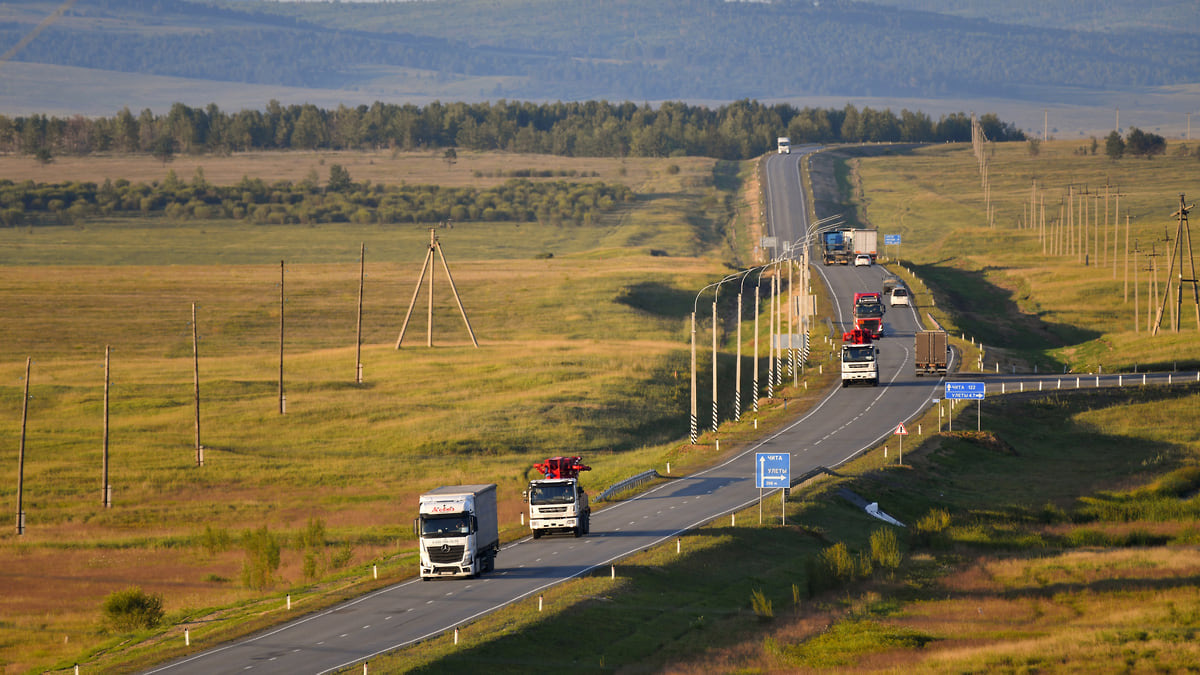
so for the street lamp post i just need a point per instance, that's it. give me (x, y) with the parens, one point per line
(695, 308)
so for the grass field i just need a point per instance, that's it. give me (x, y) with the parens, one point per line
(582, 349)
(1098, 538)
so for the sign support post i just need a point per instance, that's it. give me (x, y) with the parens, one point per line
(773, 471)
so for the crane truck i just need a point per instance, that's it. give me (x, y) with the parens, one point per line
(860, 358)
(557, 502)
(458, 532)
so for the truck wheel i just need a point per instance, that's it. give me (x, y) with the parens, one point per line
(537, 534)
(578, 531)
(587, 524)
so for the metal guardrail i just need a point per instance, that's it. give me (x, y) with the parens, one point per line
(627, 484)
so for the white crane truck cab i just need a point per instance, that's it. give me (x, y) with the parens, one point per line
(558, 503)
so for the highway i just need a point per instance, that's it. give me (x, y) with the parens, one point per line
(844, 423)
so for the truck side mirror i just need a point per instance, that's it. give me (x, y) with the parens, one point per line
(417, 526)
(525, 496)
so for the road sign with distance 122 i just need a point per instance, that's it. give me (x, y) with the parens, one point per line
(974, 390)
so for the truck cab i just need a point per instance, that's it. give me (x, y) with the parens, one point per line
(868, 317)
(457, 531)
(783, 145)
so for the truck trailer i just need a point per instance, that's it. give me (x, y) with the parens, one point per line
(863, 242)
(457, 530)
(932, 352)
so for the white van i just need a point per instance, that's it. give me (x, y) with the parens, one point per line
(899, 296)
(784, 145)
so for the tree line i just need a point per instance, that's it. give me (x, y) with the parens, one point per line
(284, 202)
(736, 131)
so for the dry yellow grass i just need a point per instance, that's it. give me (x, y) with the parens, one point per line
(552, 338)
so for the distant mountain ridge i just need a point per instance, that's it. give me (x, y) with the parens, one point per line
(571, 50)
(668, 49)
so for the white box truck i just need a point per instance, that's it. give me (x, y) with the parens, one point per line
(783, 145)
(457, 531)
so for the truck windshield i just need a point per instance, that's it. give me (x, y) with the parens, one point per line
(858, 354)
(456, 525)
(868, 310)
(562, 493)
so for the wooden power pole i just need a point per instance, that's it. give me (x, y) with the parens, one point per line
(1182, 233)
(434, 245)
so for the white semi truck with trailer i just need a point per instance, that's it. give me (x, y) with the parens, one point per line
(458, 531)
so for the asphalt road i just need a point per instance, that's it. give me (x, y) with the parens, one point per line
(840, 426)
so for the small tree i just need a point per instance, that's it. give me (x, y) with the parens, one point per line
(1034, 146)
(1114, 146)
(262, 558)
(450, 156)
(163, 149)
(133, 609)
(339, 178)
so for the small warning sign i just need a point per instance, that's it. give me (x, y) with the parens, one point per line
(900, 430)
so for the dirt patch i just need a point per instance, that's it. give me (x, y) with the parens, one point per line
(986, 440)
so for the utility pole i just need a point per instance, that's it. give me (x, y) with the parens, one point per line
(434, 246)
(1183, 232)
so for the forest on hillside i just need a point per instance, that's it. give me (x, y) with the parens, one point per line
(618, 50)
(737, 131)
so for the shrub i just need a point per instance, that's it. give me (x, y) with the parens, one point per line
(885, 548)
(215, 541)
(931, 529)
(762, 606)
(313, 536)
(133, 609)
(839, 562)
(262, 558)
(342, 557)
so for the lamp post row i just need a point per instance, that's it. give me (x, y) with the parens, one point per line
(775, 373)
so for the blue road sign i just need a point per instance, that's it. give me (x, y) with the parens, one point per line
(891, 239)
(773, 470)
(964, 390)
